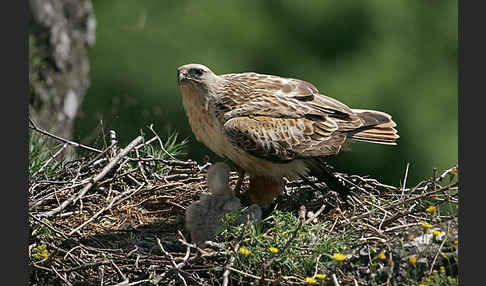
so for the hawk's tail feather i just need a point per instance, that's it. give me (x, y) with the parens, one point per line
(378, 128)
(319, 169)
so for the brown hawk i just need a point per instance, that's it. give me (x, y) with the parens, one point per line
(273, 127)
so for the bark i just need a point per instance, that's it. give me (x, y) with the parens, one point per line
(60, 32)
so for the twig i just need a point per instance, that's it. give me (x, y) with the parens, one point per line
(125, 279)
(230, 264)
(448, 171)
(88, 265)
(50, 227)
(50, 159)
(140, 166)
(235, 249)
(63, 278)
(34, 126)
(405, 181)
(248, 274)
(160, 141)
(318, 212)
(102, 210)
(366, 214)
(334, 279)
(332, 227)
(177, 267)
(98, 177)
(438, 251)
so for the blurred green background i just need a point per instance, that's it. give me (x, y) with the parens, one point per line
(396, 56)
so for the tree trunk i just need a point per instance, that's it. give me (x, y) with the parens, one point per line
(60, 31)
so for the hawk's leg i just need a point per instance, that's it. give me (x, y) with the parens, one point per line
(264, 189)
(241, 177)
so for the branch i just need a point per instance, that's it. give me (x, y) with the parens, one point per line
(34, 126)
(366, 214)
(94, 180)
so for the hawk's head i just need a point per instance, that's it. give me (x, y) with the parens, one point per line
(195, 75)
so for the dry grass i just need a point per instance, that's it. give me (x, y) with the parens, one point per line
(108, 219)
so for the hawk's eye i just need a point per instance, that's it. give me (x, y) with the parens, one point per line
(196, 73)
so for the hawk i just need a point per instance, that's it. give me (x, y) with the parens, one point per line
(273, 127)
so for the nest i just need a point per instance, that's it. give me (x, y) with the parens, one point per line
(116, 217)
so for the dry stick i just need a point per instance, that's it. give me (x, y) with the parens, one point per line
(248, 274)
(316, 214)
(442, 176)
(436, 255)
(97, 157)
(125, 279)
(232, 259)
(334, 279)
(366, 214)
(34, 126)
(50, 159)
(440, 248)
(63, 278)
(98, 177)
(84, 266)
(146, 143)
(160, 141)
(176, 266)
(230, 264)
(102, 210)
(404, 181)
(317, 265)
(50, 227)
(140, 166)
(332, 227)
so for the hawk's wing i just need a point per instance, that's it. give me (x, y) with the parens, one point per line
(282, 119)
(274, 96)
(284, 139)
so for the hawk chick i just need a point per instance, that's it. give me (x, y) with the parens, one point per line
(273, 127)
(204, 217)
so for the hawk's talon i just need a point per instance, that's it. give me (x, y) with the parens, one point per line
(239, 182)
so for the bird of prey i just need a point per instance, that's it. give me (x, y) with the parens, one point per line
(273, 127)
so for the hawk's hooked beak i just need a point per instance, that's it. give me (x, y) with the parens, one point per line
(181, 75)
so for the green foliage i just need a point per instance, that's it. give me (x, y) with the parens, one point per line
(310, 249)
(39, 154)
(172, 148)
(398, 56)
(439, 278)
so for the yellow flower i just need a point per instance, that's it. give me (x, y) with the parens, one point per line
(425, 225)
(431, 209)
(454, 171)
(413, 259)
(273, 249)
(382, 256)
(442, 269)
(339, 256)
(421, 284)
(244, 251)
(310, 280)
(456, 242)
(45, 254)
(320, 276)
(434, 271)
(40, 252)
(436, 232)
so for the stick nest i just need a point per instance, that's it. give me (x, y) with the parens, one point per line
(116, 217)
